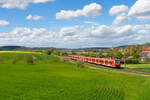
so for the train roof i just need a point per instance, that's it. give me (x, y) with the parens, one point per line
(96, 57)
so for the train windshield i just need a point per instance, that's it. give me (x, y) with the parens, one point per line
(117, 61)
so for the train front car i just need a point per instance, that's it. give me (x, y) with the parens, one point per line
(117, 63)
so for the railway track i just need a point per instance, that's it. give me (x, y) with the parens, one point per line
(121, 68)
(110, 62)
(134, 70)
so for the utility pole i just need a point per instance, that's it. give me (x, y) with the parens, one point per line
(124, 62)
(124, 59)
(112, 52)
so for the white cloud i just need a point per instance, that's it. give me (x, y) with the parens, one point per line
(28, 37)
(121, 19)
(92, 10)
(102, 31)
(69, 31)
(91, 23)
(120, 12)
(140, 10)
(21, 4)
(31, 17)
(116, 10)
(42, 1)
(4, 23)
(77, 36)
(103, 35)
(34, 32)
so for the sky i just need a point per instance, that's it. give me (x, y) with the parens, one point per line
(74, 23)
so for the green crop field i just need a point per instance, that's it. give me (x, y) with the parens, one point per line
(51, 79)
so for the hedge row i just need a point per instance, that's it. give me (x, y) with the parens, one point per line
(131, 61)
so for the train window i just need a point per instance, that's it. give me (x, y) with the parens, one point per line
(117, 61)
(97, 60)
(110, 62)
(106, 62)
(101, 61)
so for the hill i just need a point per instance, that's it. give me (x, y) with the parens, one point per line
(10, 48)
(22, 48)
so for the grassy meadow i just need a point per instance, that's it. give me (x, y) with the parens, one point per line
(39, 58)
(143, 67)
(51, 79)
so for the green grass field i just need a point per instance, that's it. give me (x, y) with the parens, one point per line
(51, 79)
(143, 67)
(40, 58)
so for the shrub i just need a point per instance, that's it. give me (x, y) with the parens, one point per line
(84, 54)
(80, 63)
(92, 54)
(34, 58)
(73, 52)
(1, 60)
(57, 52)
(65, 59)
(64, 53)
(135, 61)
(29, 59)
(118, 54)
(48, 52)
(14, 60)
(56, 60)
(130, 61)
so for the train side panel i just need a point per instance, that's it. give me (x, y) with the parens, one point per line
(101, 61)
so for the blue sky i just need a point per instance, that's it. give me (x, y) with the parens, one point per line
(82, 23)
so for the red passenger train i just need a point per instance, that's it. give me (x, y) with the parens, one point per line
(101, 61)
